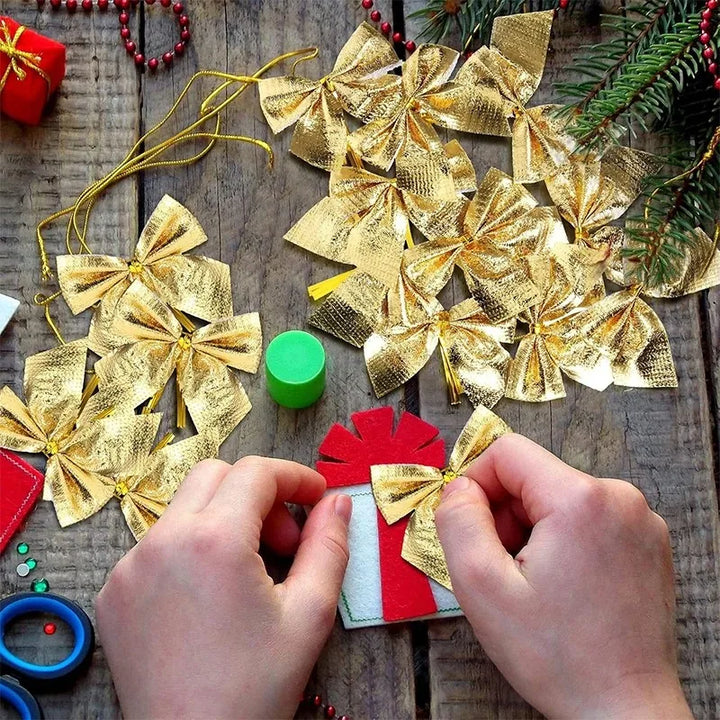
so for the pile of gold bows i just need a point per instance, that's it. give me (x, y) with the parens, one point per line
(97, 445)
(517, 261)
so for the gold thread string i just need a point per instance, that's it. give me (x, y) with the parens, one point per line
(44, 301)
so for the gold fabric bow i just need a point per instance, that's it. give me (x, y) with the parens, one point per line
(625, 329)
(320, 136)
(568, 285)
(514, 65)
(473, 360)
(83, 447)
(501, 226)
(145, 490)
(403, 489)
(153, 344)
(196, 285)
(18, 59)
(401, 118)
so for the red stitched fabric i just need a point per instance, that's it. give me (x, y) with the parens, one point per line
(20, 488)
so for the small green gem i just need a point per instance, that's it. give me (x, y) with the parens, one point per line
(40, 585)
(31, 563)
(23, 548)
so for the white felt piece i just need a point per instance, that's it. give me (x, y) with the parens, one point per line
(360, 602)
(8, 306)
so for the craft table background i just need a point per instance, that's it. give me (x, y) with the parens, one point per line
(665, 441)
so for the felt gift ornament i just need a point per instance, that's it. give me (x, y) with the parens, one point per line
(316, 106)
(509, 71)
(415, 490)
(379, 585)
(20, 488)
(154, 342)
(31, 69)
(502, 225)
(196, 285)
(83, 447)
(473, 361)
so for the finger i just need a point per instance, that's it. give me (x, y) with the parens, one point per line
(254, 484)
(312, 587)
(516, 466)
(477, 561)
(198, 487)
(280, 531)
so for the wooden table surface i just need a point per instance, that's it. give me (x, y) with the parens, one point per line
(664, 441)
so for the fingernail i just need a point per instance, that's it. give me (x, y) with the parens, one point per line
(343, 508)
(459, 484)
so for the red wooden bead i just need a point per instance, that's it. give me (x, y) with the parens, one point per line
(125, 33)
(410, 46)
(704, 38)
(706, 14)
(179, 48)
(124, 4)
(178, 8)
(102, 4)
(367, 4)
(397, 37)
(317, 701)
(130, 47)
(124, 18)
(712, 68)
(184, 20)
(185, 36)
(712, 4)
(708, 53)
(705, 25)
(385, 28)
(71, 5)
(139, 59)
(55, 4)
(167, 58)
(330, 711)
(165, 3)
(343, 717)
(87, 5)
(564, 3)
(375, 16)
(716, 84)
(153, 63)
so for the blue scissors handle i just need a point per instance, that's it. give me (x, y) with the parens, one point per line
(46, 676)
(16, 696)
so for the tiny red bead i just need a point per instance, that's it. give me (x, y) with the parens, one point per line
(87, 5)
(375, 16)
(330, 711)
(55, 4)
(130, 47)
(410, 46)
(165, 3)
(708, 53)
(564, 3)
(102, 4)
(167, 58)
(124, 4)
(139, 59)
(71, 5)
(385, 28)
(153, 63)
(397, 37)
(712, 4)
(705, 25)
(317, 701)
(125, 33)
(178, 8)
(712, 68)
(185, 36)
(706, 14)
(179, 48)
(704, 38)
(184, 20)
(367, 4)
(467, 54)
(124, 18)
(49, 628)
(716, 84)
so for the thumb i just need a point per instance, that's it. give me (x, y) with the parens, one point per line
(313, 584)
(480, 568)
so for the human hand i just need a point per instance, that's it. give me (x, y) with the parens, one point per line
(581, 621)
(191, 623)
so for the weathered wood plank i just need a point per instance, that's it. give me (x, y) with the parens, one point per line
(89, 130)
(245, 209)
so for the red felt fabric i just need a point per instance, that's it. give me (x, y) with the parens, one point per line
(405, 589)
(20, 488)
(24, 99)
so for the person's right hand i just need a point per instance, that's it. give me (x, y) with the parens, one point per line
(581, 621)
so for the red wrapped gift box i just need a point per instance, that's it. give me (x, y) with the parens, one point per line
(31, 70)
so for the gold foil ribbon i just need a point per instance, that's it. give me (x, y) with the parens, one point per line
(402, 490)
(196, 285)
(18, 59)
(153, 343)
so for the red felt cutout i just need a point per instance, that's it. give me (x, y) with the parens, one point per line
(405, 589)
(20, 488)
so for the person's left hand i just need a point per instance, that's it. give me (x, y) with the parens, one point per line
(190, 621)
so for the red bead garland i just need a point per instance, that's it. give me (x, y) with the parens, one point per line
(124, 6)
(705, 39)
(328, 711)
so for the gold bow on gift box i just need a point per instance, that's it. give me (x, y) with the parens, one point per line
(145, 489)
(356, 84)
(402, 116)
(84, 448)
(502, 225)
(510, 71)
(568, 285)
(152, 344)
(473, 360)
(400, 490)
(196, 285)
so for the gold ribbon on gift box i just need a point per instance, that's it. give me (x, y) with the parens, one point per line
(402, 490)
(18, 60)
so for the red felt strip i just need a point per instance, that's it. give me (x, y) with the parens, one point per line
(20, 488)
